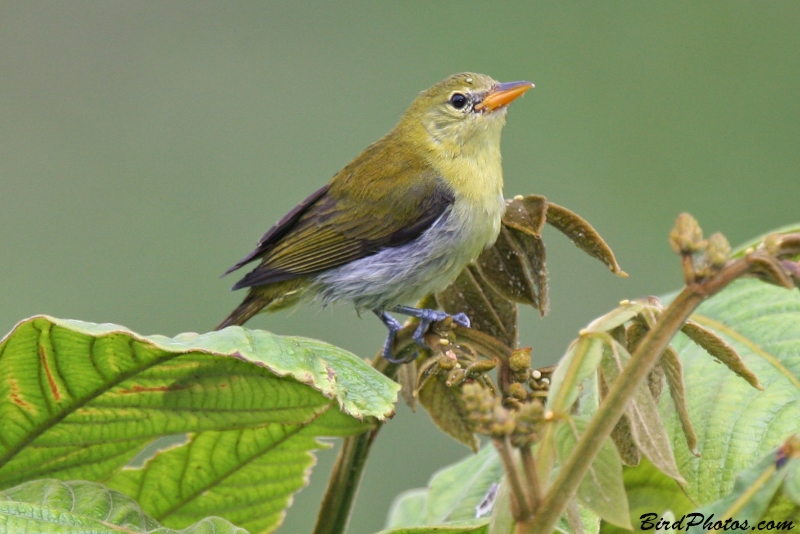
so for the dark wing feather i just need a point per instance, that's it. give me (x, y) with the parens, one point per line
(392, 204)
(279, 229)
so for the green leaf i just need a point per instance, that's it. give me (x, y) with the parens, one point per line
(456, 490)
(752, 493)
(649, 491)
(453, 493)
(408, 509)
(503, 523)
(579, 363)
(473, 526)
(602, 489)
(736, 424)
(77, 507)
(791, 484)
(741, 250)
(80, 400)
(251, 483)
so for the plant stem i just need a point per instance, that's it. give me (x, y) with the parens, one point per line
(520, 508)
(343, 485)
(337, 504)
(532, 478)
(612, 408)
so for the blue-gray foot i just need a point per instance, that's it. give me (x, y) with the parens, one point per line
(393, 325)
(426, 317)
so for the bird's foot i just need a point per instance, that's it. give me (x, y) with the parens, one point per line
(426, 317)
(393, 325)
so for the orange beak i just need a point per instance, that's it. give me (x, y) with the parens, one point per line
(502, 95)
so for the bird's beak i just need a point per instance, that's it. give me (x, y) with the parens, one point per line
(502, 95)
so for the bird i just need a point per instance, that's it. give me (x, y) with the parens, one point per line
(399, 222)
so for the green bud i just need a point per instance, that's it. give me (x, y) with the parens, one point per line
(718, 251)
(517, 391)
(480, 367)
(687, 236)
(455, 377)
(520, 359)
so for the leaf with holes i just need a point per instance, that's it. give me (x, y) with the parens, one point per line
(80, 400)
(76, 507)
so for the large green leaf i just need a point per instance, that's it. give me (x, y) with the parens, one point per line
(602, 489)
(650, 492)
(250, 483)
(472, 526)
(753, 492)
(736, 424)
(452, 494)
(79, 400)
(77, 507)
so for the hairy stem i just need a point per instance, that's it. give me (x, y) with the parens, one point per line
(520, 508)
(532, 478)
(337, 504)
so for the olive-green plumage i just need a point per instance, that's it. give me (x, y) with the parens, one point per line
(403, 218)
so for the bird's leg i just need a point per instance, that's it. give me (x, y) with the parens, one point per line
(393, 325)
(426, 317)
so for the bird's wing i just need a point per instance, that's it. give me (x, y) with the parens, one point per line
(341, 223)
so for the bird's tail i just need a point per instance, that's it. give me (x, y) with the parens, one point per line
(249, 307)
(267, 298)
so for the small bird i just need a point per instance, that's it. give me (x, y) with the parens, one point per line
(401, 221)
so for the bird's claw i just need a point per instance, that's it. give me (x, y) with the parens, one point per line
(388, 354)
(393, 325)
(461, 319)
(426, 318)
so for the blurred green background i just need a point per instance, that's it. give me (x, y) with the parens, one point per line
(146, 146)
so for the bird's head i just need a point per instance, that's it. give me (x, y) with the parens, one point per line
(463, 113)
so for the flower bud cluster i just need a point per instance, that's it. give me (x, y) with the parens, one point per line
(491, 418)
(702, 258)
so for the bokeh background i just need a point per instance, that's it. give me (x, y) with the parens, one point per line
(145, 147)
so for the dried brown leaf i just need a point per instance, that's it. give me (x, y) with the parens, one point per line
(580, 232)
(634, 334)
(520, 251)
(622, 435)
(713, 344)
(655, 381)
(782, 245)
(673, 370)
(647, 428)
(446, 407)
(534, 256)
(504, 268)
(771, 270)
(526, 214)
(489, 312)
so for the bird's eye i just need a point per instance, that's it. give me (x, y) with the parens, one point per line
(458, 100)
